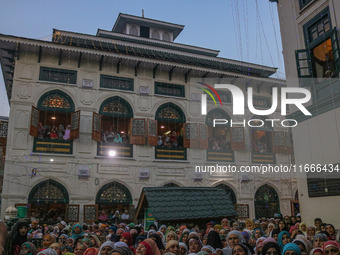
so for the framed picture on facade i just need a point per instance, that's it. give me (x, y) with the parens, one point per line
(242, 211)
(90, 213)
(72, 213)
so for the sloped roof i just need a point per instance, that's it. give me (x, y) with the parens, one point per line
(177, 203)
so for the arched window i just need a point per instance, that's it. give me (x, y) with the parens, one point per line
(116, 114)
(266, 202)
(218, 136)
(170, 120)
(155, 34)
(133, 30)
(48, 200)
(55, 111)
(114, 193)
(166, 36)
(170, 184)
(262, 135)
(230, 192)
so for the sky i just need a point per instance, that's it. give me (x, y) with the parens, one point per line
(246, 30)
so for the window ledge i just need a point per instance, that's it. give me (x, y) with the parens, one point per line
(118, 90)
(58, 83)
(171, 160)
(53, 154)
(104, 157)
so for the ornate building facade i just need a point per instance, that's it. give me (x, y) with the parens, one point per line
(94, 119)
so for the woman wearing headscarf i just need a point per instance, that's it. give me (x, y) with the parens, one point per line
(303, 228)
(310, 233)
(331, 231)
(162, 228)
(20, 237)
(147, 247)
(194, 246)
(184, 237)
(257, 233)
(331, 248)
(275, 234)
(303, 244)
(122, 251)
(91, 251)
(319, 239)
(47, 251)
(283, 239)
(172, 247)
(127, 238)
(316, 251)
(282, 225)
(271, 248)
(214, 240)
(250, 225)
(241, 249)
(183, 249)
(225, 224)
(77, 231)
(87, 242)
(270, 228)
(106, 248)
(194, 235)
(66, 249)
(158, 240)
(246, 236)
(95, 241)
(259, 245)
(56, 247)
(28, 248)
(291, 249)
(171, 236)
(139, 239)
(234, 237)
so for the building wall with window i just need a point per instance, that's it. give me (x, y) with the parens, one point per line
(90, 127)
(310, 32)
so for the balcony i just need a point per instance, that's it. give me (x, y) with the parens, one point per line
(122, 150)
(54, 146)
(263, 157)
(220, 155)
(162, 152)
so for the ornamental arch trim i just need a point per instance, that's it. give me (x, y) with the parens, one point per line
(267, 201)
(216, 113)
(164, 113)
(57, 101)
(114, 193)
(116, 107)
(50, 192)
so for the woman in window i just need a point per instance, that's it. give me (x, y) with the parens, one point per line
(67, 134)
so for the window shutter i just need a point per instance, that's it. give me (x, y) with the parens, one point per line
(304, 67)
(90, 213)
(289, 144)
(203, 136)
(72, 213)
(137, 131)
(190, 137)
(152, 132)
(279, 143)
(75, 120)
(336, 50)
(237, 139)
(96, 127)
(34, 122)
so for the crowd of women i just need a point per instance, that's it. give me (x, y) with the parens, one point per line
(275, 236)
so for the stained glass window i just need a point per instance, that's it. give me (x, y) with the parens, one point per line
(56, 101)
(114, 193)
(170, 112)
(116, 106)
(48, 192)
(266, 202)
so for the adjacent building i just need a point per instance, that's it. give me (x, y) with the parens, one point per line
(96, 118)
(310, 38)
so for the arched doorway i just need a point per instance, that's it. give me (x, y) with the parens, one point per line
(170, 122)
(266, 202)
(230, 193)
(48, 200)
(113, 197)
